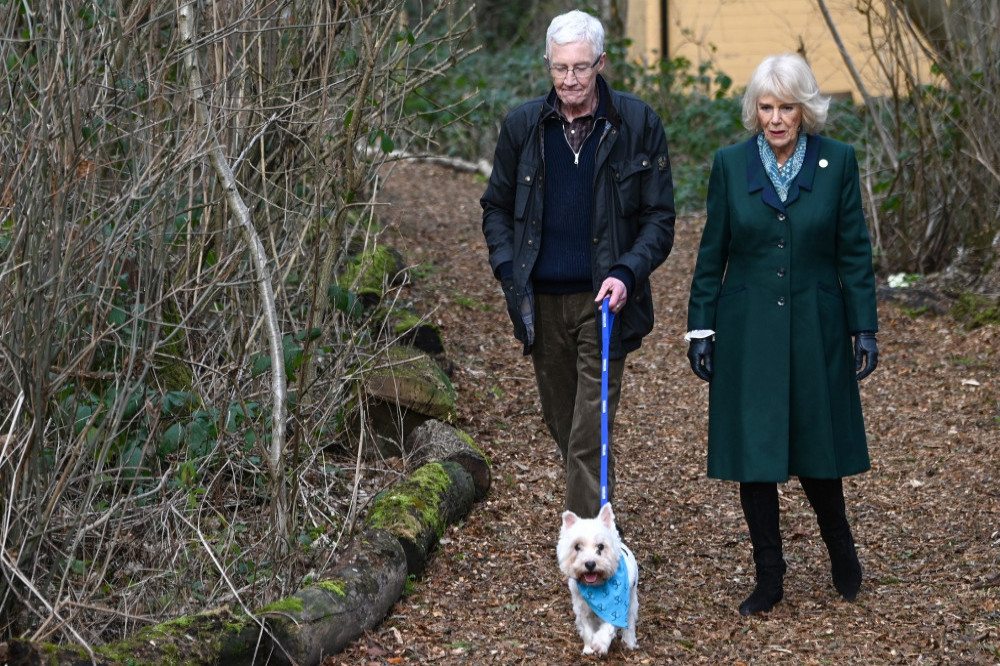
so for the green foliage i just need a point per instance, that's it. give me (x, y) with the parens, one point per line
(344, 300)
(411, 586)
(974, 311)
(463, 111)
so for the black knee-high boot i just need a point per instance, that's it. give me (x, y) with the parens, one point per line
(827, 499)
(760, 508)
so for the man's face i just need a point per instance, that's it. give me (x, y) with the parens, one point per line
(577, 87)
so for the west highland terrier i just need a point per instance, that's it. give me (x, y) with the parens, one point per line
(603, 576)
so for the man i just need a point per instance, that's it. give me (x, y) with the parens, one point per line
(579, 207)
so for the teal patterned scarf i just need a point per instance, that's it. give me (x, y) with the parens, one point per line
(781, 178)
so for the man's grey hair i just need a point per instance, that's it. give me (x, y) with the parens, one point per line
(575, 26)
(788, 77)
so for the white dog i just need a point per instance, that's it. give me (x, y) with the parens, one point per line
(603, 577)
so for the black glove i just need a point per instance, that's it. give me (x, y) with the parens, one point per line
(865, 353)
(700, 354)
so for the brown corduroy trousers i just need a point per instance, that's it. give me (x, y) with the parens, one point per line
(567, 360)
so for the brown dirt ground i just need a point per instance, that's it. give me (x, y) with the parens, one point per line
(926, 518)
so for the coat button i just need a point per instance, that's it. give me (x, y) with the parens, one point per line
(645, 163)
(781, 272)
(781, 243)
(596, 241)
(781, 217)
(527, 179)
(781, 300)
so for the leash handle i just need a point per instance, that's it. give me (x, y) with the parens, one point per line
(607, 320)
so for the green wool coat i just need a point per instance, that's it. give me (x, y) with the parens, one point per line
(784, 285)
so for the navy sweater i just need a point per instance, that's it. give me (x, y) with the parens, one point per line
(564, 261)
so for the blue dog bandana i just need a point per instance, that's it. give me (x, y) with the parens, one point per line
(610, 601)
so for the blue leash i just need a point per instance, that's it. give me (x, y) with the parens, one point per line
(607, 320)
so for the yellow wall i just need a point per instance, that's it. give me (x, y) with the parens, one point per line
(742, 32)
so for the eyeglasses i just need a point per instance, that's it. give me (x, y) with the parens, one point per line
(580, 71)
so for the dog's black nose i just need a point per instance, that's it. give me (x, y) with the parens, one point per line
(590, 565)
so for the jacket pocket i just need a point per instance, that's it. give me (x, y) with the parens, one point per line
(628, 183)
(831, 308)
(526, 176)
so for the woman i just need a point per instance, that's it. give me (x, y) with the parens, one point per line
(783, 281)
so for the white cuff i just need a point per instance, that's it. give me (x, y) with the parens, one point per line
(698, 333)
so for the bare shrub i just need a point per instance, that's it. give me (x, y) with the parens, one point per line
(136, 402)
(933, 172)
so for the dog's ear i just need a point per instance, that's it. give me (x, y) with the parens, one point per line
(569, 519)
(607, 516)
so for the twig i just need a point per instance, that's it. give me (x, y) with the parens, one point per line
(280, 499)
(869, 101)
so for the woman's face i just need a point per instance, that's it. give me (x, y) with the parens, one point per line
(781, 122)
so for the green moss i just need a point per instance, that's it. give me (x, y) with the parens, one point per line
(413, 503)
(335, 586)
(286, 605)
(974, 311)
(212, 631)
(471, 443)
(407, 321)
(174, 372)
(183, 622)
(370, 272)
(411, 367)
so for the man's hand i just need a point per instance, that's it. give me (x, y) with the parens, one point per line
(613, 289)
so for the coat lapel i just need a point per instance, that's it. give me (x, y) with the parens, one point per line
(757, 180)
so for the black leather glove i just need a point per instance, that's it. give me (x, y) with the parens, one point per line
(700, 353)
(865, 353)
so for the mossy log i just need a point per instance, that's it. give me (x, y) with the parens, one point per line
(404, 392)
(322, 619)
(303, 629)
(403, 527)
(417, 510)
(417, 331)
(213, 637)
(436, 441)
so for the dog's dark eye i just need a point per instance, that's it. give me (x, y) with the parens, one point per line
(576, 547)
(600, 548)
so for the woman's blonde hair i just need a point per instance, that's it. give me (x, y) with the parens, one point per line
(788, 77)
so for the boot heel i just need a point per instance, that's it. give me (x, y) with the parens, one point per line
(761, 600)
(844, 566)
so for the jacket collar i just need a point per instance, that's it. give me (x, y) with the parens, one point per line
(605, 105)
(758, 181)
